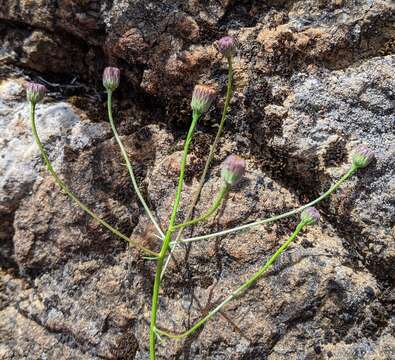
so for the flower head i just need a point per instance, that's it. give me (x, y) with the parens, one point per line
(226, 46)
(111, 77)
(233, 169)
(310, 216)
(35, 92)
(202, 98)
(362, 156)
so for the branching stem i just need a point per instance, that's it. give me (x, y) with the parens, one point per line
(252, 280)
(212, 210)
(213, 148)
(349, 173)
(68, 192)
(167, 239)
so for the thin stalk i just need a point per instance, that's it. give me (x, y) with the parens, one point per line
(252, 280)
(129, 165)
(229, 90)
(68, 192)
(166, 240)
(349, 173)
(212, 210)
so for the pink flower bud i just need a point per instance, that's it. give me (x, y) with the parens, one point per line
(202, 98)
(111, 76)
(233, 169)
(362, 156)
(226, 46)
(35, 92)
(310, 216)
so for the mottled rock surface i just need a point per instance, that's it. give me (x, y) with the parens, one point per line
(312, 80)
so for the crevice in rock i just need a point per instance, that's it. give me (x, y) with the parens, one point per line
(248, 13)
(59, 53)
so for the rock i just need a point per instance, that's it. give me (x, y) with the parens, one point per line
(53, 345)
(57, 125)
(336, 111)
(78, 18)
(312, 80)
(97, 178)
(61, 130)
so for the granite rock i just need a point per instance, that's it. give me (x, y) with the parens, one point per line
(313, 79)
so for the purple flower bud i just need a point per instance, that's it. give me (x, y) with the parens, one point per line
(111, 76)
(233, 169)
(310, 216)
(35, 92)
(226, 46)
(202, 98)
(362, 156)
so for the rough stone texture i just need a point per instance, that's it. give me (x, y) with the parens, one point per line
(59, 128)
(312, 80)
(335, 111)
(61, 131)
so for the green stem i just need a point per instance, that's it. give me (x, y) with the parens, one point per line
(154, 307)
(349, 173)
(67, 191)
(167, 239)
(229, 90)
(240, 289)
(129, 165)
(212, 210)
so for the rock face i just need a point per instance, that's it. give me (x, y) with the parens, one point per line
(312, 80)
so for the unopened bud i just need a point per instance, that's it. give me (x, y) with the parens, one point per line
(310, 216)
(35, 92)
(233, 169)
(111, 76)
(362, 156)
(202, 98)
(226, 46)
